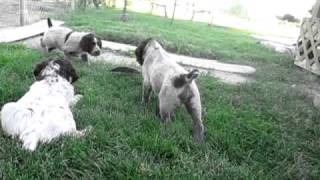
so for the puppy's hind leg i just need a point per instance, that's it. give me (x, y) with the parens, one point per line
(158, 111)
(164, 114)
(167, 105)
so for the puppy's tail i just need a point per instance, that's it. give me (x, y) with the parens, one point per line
(49, 22)
(185, 79)
(125, 70)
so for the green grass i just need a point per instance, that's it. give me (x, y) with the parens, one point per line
(182, 37)
(263, 130)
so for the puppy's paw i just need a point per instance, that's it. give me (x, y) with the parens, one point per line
(75, 99)
(78, 97)
(82, 132)
(30, 145)
(165, 119)
(88, 129)
(165, 116)
(198, 134)
(158, 112)
(198, 138)
(143, 102)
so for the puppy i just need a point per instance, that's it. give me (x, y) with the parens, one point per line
(43, 113)
(171, 82)
(70, 42)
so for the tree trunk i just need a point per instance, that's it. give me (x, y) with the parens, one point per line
(114, 3)
(22, 12)
(96, 3)
(211, 20)
(125, 6)
(124, 16)
(174, 11)
(82, 4)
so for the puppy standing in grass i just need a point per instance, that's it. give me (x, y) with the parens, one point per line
(70, 42)
(43, 113)
(171, 82)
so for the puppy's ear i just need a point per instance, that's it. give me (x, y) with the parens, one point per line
(139, 54)
(87, 43)
(38, 68)
(67, 70)
(141, 50)
(73, 74)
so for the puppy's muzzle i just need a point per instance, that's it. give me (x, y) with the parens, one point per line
(96, 53)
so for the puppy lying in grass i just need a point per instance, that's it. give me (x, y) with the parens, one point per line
(44, 113)
(171, 82)
(70, 42)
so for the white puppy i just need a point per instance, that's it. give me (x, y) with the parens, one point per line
(70, 42)
(43, 113)
(171, 82)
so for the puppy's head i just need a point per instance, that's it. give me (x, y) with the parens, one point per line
(141, 50)
(91, 44)
(59, 67)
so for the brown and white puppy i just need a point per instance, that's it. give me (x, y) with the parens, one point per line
(44, 112)
(171, 82)
(70, 42)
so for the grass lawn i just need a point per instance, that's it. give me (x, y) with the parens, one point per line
(182, 37)
(267, 129)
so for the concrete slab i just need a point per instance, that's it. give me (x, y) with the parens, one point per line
(186, 60)
(213, 64)
(278, 47)
(33, 42)
(115, 58)
(279, 44)
(224, 76)
(24, 32)
(228, 73)
(280, 40)
(114, 46)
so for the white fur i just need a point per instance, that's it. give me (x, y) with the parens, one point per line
(43, 113)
